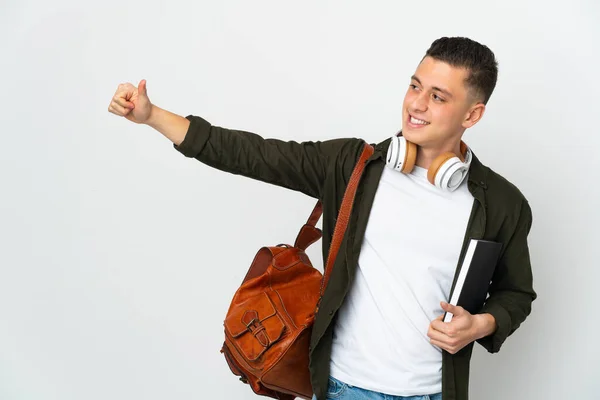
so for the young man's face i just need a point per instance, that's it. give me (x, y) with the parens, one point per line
(437, 95)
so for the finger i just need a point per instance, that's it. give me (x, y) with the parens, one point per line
(447, 307)
(449, 349)
(440, 345)
(455, 310)
(142, 88)
(447, 328)
(437, 335)
(121, 101)
(125, 91)
(125, 87)
(438, 325)
(437, 320)
(118, 110)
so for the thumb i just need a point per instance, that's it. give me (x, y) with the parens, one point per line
(142, 88)
(449, 307)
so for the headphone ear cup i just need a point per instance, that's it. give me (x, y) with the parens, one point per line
(437, 164)
(411, 157)
(401, 155)
(392, 153)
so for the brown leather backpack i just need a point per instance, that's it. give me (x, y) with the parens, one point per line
(269, 322)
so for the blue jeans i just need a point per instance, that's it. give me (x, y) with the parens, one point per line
(338, 390)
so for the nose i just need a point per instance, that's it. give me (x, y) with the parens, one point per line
(419, 102)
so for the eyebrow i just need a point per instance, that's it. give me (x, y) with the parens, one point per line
(447, 93)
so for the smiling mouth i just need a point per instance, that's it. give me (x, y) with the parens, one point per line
(416, 121)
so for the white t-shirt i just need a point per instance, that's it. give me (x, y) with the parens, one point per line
(406, 267)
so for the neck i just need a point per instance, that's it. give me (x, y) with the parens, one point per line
(426, 155)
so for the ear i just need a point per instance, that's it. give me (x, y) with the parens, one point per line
(474, 115)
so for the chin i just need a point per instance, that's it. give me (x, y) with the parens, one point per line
(416, 136)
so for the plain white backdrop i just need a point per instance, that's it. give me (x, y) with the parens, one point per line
(119, 256)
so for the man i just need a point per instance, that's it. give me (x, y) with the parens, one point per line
(379, 332)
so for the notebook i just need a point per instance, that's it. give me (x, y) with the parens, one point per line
(475, 275)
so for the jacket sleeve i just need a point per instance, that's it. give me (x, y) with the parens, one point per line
(511, 290)
(297, 166)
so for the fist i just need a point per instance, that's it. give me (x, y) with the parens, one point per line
(131, 102)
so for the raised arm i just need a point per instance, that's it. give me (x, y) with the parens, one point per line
(298, 166)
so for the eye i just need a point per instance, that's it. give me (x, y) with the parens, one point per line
(413, 86)
(437, 98)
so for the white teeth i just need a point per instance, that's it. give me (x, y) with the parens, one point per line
(417, 121)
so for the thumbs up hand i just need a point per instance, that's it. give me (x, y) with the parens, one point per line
(131, 102)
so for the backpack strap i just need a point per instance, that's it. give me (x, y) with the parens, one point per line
(344, 216)
(309, 233)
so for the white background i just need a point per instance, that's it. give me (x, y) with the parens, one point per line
(119, 256)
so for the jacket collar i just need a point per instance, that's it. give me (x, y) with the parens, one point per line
(477, 171)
